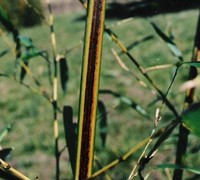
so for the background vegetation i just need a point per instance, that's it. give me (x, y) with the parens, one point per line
(22, 15)
(31, 133)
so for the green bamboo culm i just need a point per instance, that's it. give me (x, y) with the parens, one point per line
(89, 87)
(55, 90)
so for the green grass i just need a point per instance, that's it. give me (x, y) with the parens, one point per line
(32, 133)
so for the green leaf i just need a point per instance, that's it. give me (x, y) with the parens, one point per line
(27, 55)
(31, 53)
(70, 135)
(163, 166)
(127, 101)
(174, 166)
(102, 118)
(4, 132)
(172, 46)
(64, 73)
(195, 64)
(26, 41)
(191, 119)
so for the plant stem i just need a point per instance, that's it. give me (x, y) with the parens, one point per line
(11, 171)
(142, 71)
(121, 159)
(125, 51)
(89, 88)
(55, 93)
(183, 132)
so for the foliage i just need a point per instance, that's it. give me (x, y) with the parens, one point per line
(21, 14)
(139, 106)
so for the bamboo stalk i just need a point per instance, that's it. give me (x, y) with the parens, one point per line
(55, 91)
(183, 132)
(11, 171)
(89, 88)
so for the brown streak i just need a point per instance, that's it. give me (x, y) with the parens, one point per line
(90, 84)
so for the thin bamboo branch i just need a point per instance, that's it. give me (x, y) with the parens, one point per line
(141, 162)
(159, 67)
(107, 176)
(11, 171)
(125, 67)
(34, 90)
(89, 88)
(142, 71)
(121, 159)
(22, 64)
(29, 72)
(128, 154)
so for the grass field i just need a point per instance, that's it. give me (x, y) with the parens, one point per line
(32, 115)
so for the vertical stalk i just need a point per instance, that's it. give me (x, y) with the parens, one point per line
(89, 88)
(55, 92)
(183, 132)
(140, 68)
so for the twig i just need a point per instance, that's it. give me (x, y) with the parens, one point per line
(126, 155)
(11, 171)
(142, 71)
(159, 67)
(143, 161)
(124, 66)
(121, 159)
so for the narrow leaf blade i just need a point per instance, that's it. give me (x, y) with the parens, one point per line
(3, 53)
(102, 118)
(191, 118)
(194, 64)
(4, 153)
(4, 132)
(26, 41)
(127, 101)
(70, 135)
(172, 46)
(174, 166)
(64, 73)
(31, 53)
